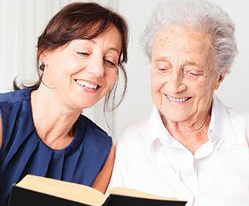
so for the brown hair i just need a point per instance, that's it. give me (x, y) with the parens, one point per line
(82, 21)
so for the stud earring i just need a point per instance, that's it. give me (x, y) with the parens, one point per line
(41, 66)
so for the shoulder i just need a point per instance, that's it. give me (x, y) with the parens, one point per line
(240, 124)
(14, 96)
(227, 116)
(131, 150)
(14, 103)
(92, 126)
(237, 118)
(134, 133)
(93, 130)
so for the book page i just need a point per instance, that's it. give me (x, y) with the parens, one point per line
(135, 193)
(67, 190)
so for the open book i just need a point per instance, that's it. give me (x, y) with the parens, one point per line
(41, 191)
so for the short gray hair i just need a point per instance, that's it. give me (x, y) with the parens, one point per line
(196, 13)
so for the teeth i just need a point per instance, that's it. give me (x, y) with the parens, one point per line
(173, 99)
(86, 84)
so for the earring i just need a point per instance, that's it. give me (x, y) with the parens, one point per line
(41, 66)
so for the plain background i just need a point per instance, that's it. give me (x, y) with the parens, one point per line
(19, 31)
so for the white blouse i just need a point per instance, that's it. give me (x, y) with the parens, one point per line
(150, 160)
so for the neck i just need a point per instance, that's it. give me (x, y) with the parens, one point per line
(192, 133)
(53, 120)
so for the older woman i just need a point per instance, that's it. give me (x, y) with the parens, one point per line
(42, 130)
(192, 147)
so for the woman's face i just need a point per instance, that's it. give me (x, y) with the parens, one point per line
(183, 73)
(81, 72)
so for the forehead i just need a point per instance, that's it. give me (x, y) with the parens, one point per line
(176, 40)
(110, 36)
(110, 39)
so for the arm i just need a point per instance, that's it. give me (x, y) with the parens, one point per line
(122, 160)
(104, 176)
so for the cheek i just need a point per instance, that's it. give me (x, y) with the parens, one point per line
(59, 70)
(69, 64)
(154, 84)
(52, 75)
(157, 83)
(203, 90)
(157, 88)
(72, 67)
(111, 78)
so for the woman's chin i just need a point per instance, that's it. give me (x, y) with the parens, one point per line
(176, 117)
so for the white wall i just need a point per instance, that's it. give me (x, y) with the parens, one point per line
(138, 103)
(22, 21)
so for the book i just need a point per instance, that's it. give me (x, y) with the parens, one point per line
(42, 191)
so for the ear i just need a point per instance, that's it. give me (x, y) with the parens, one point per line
(220, 78)
(43, 57)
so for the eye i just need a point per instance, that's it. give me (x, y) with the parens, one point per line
(162, 66)
(163, 69)
(84, 54)
(110, 63)
(193, 74)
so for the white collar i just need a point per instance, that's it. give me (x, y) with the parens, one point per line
(220, 126)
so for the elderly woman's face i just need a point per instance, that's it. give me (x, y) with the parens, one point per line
(183, 73)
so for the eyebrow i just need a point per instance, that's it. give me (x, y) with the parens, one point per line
(191, 63)
(164, 58)
(114, 49)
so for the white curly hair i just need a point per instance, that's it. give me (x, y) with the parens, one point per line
(196, 14)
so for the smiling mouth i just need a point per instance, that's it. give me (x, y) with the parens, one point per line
(87, 85)
(177, 100)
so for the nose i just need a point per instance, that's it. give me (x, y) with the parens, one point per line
(96, 66)
(176, 82)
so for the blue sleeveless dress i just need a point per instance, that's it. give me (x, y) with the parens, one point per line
(23, 152)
